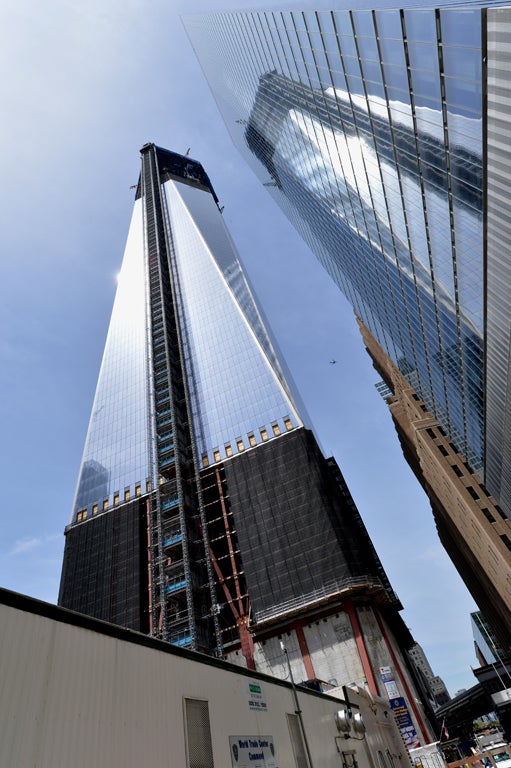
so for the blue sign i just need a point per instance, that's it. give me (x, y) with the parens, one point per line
(404, 722)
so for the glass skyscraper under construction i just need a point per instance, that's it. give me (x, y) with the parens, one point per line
(205, 513)
(382, 135)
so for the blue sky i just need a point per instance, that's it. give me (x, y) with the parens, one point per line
(85, 85)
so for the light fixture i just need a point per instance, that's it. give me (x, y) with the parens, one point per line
(349, 725)
(343, 720)
(359, 726)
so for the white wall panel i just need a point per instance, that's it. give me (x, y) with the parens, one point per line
(333, 650)
(85, 694)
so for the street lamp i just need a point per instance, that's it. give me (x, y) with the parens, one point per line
(298, 711)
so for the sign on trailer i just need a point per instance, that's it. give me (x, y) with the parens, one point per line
(252, 752)
(256, 697)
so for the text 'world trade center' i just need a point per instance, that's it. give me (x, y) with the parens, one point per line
(383, 135)
(205, 513)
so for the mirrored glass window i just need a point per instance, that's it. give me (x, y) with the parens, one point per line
(389, 25)
(421, 25)
(461, 27)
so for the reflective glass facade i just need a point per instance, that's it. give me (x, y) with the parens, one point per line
(234, 380)
(368, 128)
(189, 378)
(498, 262)
(116, 449)
(484, 640)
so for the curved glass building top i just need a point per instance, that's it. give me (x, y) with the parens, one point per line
(366, 127)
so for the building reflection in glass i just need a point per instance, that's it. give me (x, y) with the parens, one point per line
(366, 128)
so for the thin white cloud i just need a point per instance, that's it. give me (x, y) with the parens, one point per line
(33, 542)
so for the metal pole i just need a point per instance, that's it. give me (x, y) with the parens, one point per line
(298, 711)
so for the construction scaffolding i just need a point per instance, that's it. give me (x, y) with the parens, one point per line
(181, 579)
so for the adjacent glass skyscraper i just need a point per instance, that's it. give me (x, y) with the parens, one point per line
(383, 136)
(205, 513)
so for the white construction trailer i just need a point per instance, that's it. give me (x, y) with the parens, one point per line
(79, 693)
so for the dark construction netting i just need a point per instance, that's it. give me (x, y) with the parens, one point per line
(299, 534)
(105, 567)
